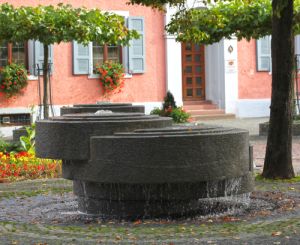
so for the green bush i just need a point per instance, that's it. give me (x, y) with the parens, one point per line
(156, 111)
(179, 115)
(169, 101)
(8, 147)
(170, 109)
(28, 141)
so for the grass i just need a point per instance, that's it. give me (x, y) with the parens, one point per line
(30, 188)
(145, 232)
(260, 178)
(33, 193)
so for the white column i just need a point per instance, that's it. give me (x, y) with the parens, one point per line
(222, 74)
(173, 62)
(231, 75)
(174, 68)
(214, 74)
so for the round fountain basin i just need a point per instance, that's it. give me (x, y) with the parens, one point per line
(161, 172)
(167, 157)
(68, 137)
(115, 107)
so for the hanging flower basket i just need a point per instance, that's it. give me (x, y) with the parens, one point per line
(111, 77)
(13, 78)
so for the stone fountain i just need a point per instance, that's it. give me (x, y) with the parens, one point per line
(130, 165)
(115, 107)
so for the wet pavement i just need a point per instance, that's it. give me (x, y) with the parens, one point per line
(45, 212)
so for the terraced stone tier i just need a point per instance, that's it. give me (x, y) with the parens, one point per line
(90, 108)
(161, 172)
(68, 137)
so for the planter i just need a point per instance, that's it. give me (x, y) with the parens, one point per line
(17, 133)
(264, 127)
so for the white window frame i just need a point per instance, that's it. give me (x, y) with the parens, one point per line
(258, 57)
(92, 75)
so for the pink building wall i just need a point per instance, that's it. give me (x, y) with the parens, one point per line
(252, 84)
(69, 89)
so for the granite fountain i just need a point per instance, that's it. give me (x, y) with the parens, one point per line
(125, 164)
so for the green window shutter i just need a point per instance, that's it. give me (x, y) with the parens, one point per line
(81, 59)
(136, 53)
(263, 47)
(39, 57)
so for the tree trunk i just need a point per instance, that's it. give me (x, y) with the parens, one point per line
(278, 159)
(45, 83)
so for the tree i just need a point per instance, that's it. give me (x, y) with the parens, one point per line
(252, 19)
(61, 23)
(278, 160)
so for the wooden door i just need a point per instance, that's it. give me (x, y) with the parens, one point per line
(193, 71)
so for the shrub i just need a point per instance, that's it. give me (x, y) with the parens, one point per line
(8, 147)
(13, 79)
(28, 141)
(179, 115)
(169, 101)
(170, 109)
(156, 111)
(296, 117)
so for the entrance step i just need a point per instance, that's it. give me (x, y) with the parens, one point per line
(200, 107)
(196, 102)
(213, 117)
(205, 110)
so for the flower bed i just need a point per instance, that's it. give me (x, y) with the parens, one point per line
(22, 165)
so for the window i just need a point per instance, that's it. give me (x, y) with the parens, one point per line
(36, 57)
(263, 52)
(29, 54)
(15, 119)
(13, 53)
(85, 58)
(106, 53)
(263, 49)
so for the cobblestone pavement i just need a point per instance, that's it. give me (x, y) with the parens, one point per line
(251, 124)
(258, 142)
(45, 212)
(259, 150)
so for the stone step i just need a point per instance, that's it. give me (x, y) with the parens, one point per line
(197, 102)
(212, 116)
(206, 112)
(200, 107)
